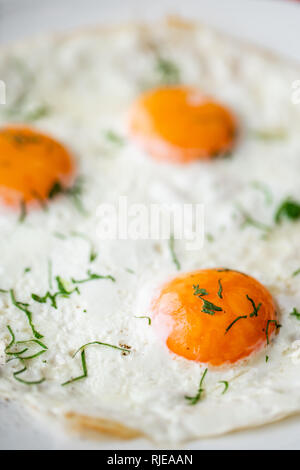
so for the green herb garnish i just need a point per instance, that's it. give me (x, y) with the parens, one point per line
(226, 385)
(61, 291)
(84, 370)
(265, 190)
(198, 291)
(197, 397)
(23, 212)
(148, 318)
(24, 307)
(26, 382)
(168, 71)
(220, 289)
(74, 192)
(114, 138)
(270, 134)
(255, 308)
(288, 209)
(83, 358)
(267, 328)
(250, 221)
(234, 321)
(99, 343)
(295, 273)
(13, 338)
(92, 277)
(210, 308)
(295, 313)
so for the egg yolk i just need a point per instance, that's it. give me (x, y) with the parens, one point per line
(31, 163)
(215, 316)
(180, 125)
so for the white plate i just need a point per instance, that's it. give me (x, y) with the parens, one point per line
(270, 23)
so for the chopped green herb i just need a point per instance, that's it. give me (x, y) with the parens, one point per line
(220, 289)
(27, 270)
(114, 138)
(92, 277)
(226, 385)
(173, 254)
(198, 291)
(209, 237)
(130, 271)
(61, 291)
(288, 209)
(148, 318)
(269, 134)
(84, 370)
(255, 308)
(267, 358)
(74, 192)
(265, 190)
(267, 328)
(61, 236)
(295, 273)
(83, 358)
(234, 321)
(194, 400)
(13, 338)
(295, 313)
(210, 308)
(99, 343)
(26, 382)
(250, 221)
(168, 71)
(23, 212)
(23, 307)
(37, 113)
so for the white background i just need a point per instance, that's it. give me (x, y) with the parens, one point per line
(274, 24)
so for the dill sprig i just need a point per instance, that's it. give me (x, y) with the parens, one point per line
(148, 318)
(61, 292)
(226, 385)
(83, 358)
(197, 397)
(277, 325)
(24, 308)
(295, 313)
(93, 277)
(234, 321)
(255, 307)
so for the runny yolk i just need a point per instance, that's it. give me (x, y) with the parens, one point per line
(31, 163)
(215, 316)
(180, 125)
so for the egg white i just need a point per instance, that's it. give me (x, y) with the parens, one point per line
(89, 81)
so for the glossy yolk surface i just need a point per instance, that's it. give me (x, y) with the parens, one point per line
(179, 124)
(31, 163)
(215, 316)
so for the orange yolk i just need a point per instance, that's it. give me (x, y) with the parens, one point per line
(31, 164)
(215, 316)
(180, 125)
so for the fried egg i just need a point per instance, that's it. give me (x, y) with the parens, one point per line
(144, 337)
